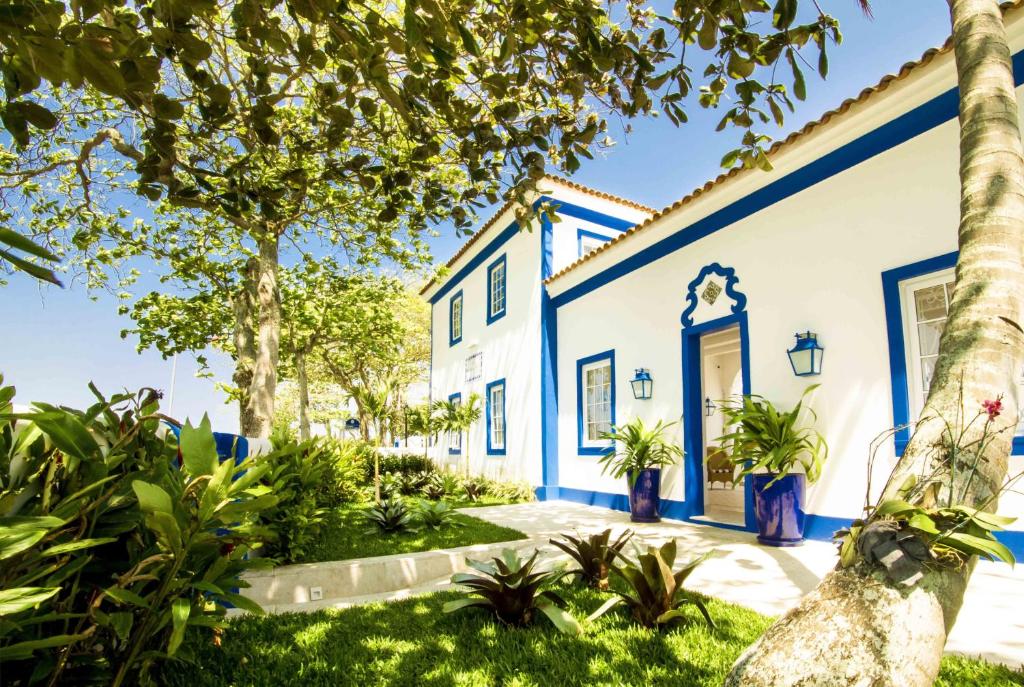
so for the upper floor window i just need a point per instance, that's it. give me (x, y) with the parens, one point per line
(496, 418)
(496, 291)
(595, 398)
(587, 241)
(455, 319)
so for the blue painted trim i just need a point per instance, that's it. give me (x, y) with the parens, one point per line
(480, 258)
(580, 364)
(898, 374)
(451, 319)
(917, 121)
(726, 273)
(816, 527)
(504, 287)
(455, 451)
(586, 233)
(492, 450)
(549, 338)
(693, 414)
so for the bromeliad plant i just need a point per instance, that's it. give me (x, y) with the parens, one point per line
(637, 448)
(435, 514)
(514, 590)
(390, 515)
(594, 555)
(763, 438)
(116, 541)
(654, 593)
(927, 522)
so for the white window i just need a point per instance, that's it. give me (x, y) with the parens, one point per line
(455, 438)
(597, 400)
(474, 366)
(925, 309)
(496, 406)
(496, 288)
(589, 243)
(455, 323)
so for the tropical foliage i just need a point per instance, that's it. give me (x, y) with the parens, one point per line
(761, 438)
(457, 417)
(389, 515)
(653, 593)
(116, 541)
(435, 514)
(514, 590)
(637, 447)
(594, 555)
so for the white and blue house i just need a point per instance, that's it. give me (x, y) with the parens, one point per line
(851, 239)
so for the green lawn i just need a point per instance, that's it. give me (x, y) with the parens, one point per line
(412, 643)
(345, 536)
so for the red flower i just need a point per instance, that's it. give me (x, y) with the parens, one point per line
(993, 408)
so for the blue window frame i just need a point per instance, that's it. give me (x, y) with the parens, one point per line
(497, 281)
(496, 419)
(896, 290)
(595, 402)
(455, 318)
(587, 241)
(455, 440)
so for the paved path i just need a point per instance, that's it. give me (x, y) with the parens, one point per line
(771, 580)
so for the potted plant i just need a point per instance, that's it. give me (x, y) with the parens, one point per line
(768, 445)
(644, 451)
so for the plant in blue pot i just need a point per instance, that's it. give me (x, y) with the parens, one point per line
(769, 445)
(638, 453)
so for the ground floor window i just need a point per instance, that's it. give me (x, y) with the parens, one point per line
(496, 418)
(595, 394)
(455, 438)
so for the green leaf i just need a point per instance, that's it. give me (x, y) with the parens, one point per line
(560, 618)
(65, 431)
(121, 622)
(180, 610)
(125, 596)
(152, 498)
(22, 598)
(604, 608)
(458, 604)
(19, 242)
(23, 650)
(77, 545)
(242, 602)
(198, 448)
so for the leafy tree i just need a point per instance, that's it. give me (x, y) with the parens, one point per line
(423, 423)
(374, 406)
(458, 417)
(236, 109)
(860, 623)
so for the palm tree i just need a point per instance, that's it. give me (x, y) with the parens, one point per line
(423, 423)
(858, 624)
(457, 418)
(374, 404)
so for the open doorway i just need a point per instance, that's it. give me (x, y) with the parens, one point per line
(721, 371)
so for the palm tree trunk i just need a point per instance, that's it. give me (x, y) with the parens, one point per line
(264, 377)
(303, 383)
(857, 628)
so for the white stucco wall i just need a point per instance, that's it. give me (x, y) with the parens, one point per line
(812, 261)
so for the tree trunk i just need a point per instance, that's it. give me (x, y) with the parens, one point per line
(857, 628)
(243, 304)
(264, 377)
(303, 381)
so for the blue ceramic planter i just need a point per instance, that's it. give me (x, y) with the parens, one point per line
(780, 509)
(645, 496)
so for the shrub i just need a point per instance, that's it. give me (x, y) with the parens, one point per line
(594, 555)
(511, 492)
(475, 487)
(404, 464)
(513, 590)
(436, 489)
(390, 515)
(111, 553)
(302, 476)
(434, 514)
(654, 594)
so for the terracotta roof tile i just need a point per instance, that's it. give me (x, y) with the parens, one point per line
(811, 126)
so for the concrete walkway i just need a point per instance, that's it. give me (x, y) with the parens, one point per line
(772, 580)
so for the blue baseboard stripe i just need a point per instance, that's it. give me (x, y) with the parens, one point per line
(817, 527)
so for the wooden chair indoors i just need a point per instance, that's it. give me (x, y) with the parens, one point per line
(720, 469)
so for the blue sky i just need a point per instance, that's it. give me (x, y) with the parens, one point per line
(53, 342)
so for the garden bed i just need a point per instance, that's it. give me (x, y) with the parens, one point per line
(412, 642)
(344, 535)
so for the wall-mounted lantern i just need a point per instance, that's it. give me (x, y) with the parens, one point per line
(709, 406)
(642, 384)
(806, 355)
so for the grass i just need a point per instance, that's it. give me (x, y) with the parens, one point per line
(412, 642)
(344, 536)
